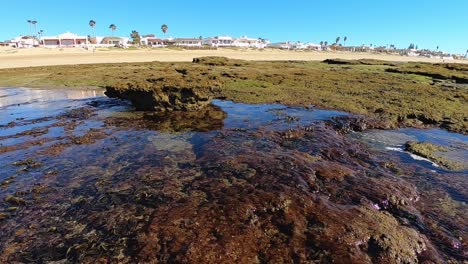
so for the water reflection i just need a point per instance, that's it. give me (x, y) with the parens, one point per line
(15, 96)
(27, 103)
(207, 119)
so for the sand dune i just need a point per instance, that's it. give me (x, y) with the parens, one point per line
(14, 58)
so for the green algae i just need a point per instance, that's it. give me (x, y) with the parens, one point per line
(432, 152)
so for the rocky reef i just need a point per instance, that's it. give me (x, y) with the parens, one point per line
(400, 94)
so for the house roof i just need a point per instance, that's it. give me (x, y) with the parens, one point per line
(187, 39)
(223, 37)
(66, 35)
(112, 38)
(154, 39)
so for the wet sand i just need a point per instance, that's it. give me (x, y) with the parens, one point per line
(14, 58)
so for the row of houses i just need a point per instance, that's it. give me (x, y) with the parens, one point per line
(214, 42)
(73, 40)
(64, 40)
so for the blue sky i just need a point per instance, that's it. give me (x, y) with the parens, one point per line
(427, 23)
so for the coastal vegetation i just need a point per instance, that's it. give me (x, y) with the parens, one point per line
(399, 94)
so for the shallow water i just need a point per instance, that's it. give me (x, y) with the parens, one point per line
(394, 141)
(85, 163)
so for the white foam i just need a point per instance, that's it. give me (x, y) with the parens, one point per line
(416, 157)
(413, 156)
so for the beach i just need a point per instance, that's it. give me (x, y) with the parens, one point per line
(16, 58)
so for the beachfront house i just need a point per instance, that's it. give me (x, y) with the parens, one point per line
(65, 40)
(152, 41)
(23, 42)
(188, 42)
(314, 46)
(113, 41)
(281, 45)
(219, 41)
(246, 42)
(299, 45)
(107, 42)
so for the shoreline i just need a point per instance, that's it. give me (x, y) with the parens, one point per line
(21, 58)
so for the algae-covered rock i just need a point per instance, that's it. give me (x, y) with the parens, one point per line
(218, 61)
(166, 93)
(434, 153)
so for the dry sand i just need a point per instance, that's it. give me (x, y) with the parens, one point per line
(14, 58)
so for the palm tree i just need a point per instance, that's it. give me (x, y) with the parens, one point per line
(326, 43)
(34, 23)
(437, 48)
(337, 40)
(344, 40)
(29, 22)
(112, 27)
(40, 33)
(92, 24)
(321, 43)
(136, 37)
(164, 29)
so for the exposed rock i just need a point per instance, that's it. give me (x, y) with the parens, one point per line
(218, 61)
(166, 94)
(434, 153)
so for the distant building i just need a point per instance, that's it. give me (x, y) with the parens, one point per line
(23, 42)
(299, 45)
(314, 46)
(65, 40)
(245, 42)
(114, 41)
(281, 45)
(219, 41)
(188, 42)
(152, 41)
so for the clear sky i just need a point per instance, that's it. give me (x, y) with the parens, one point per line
(427, 23)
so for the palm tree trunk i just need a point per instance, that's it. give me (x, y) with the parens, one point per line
(35, 34)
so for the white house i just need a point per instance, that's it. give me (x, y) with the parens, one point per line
(65, 40)
(219, 41)
(23, 42)
(281, 45)
(314, 46)
(299, 45)
(113, 41)
(245, 42)
(152, 41)
(188, 42)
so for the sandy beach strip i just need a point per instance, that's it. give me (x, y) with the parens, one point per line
(16, 58)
